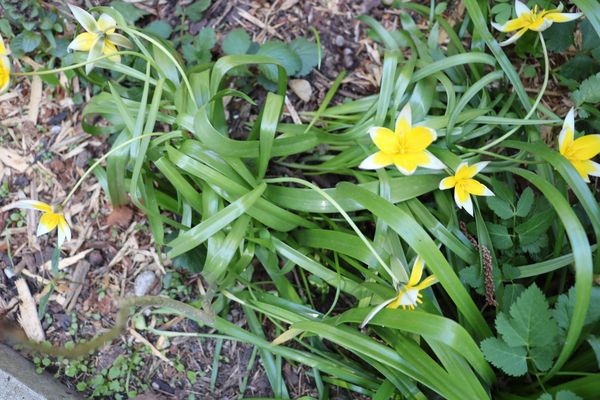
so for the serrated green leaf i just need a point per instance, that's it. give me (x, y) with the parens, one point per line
(559, 37)
(567, 395)
(535, 226)
(565, 304)
(501, 208)
(472, 277)
(533, 244)
(531, 318)
(511, 360)
(236, 42)
(543, 356)
(508, 332)
(30, 41)
(501, 239)
(195, 9)
(588, 92)
(510, 295)
(525, 202)
(594, 342)
(283, 55)
(308, 52)
(580, 67)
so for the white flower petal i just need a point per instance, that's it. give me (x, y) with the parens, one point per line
(480, 166)
(514, 37)
(521, 8)
(29, 205)
(501, 28)
(405, 114)
(596, 170)
(434, 162)
(570, 120)
(370, 163)
(545, 25)
(84, 18)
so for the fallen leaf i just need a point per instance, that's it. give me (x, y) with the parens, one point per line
(12, 160)
(35, 99)
(28, 316)
(120, 216)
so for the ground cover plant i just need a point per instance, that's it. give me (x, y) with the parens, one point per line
(436, 239)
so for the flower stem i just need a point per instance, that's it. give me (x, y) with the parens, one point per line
(104, 157)
(344, 214)
(535, 104)
(83, 64)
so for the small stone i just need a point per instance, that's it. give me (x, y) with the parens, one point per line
(301, 88)
(82, 159)
(55, 130)
(144, 282)
(339, 41)
(95, 258)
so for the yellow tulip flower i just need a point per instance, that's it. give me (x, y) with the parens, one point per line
(405, 147)
(4, 67)
(100, 37)
(579, 151)
(408, 295)
(50, 219)
(464, 185)
(535, 20)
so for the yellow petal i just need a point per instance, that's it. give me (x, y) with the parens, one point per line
(48, 222)
(2, 48)
(83, 42)
(407, 163)
(540, 24)
(385, 139)
(64, 231)
(447, 183)
(418, 138)
(406, 297)
(32, 205)
(107, 24)
(562, 17)
(474, 187)
(584, 148)
(515, 24)
(565, 138)
(417, 272)
(586, 168)
(4, 73)
(464, 171)
(404, 120)
(377, 160)
(430, 280)
(110, 48)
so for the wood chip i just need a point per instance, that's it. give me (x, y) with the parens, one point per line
(28, 316)
(35, 99)
(67, 262)
(14, 161)
(77, 280)
(302, 89)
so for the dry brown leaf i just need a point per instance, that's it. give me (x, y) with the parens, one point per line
(120, 216)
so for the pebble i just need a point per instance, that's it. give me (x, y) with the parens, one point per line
(55, 130)
(339, 41)
(95, 258)
(144, 282)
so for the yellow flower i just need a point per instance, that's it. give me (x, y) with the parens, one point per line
(50, 219)
(100, 37)
(464, 185)
(535, 20)
(408, 295)
(405, 147)
(4, 67)
(579, 151)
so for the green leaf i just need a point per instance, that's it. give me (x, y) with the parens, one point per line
(511, 360)
(130, 12)
(567, 395)
(471, 275)
(30, 40)
(508, 332)
(236, 42)
(594, 342)
(500, 207)
(559, 37)
(543, 356)
(533, 244)
(510, 295)
(588, 92)
(525, 202)
(195, 9)
(308, 52)
(530, 230)
(160, 28)
(590, 39)
(501, 239)
(565, 305)
(283, 55)
(580, 67)
(532, 320)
